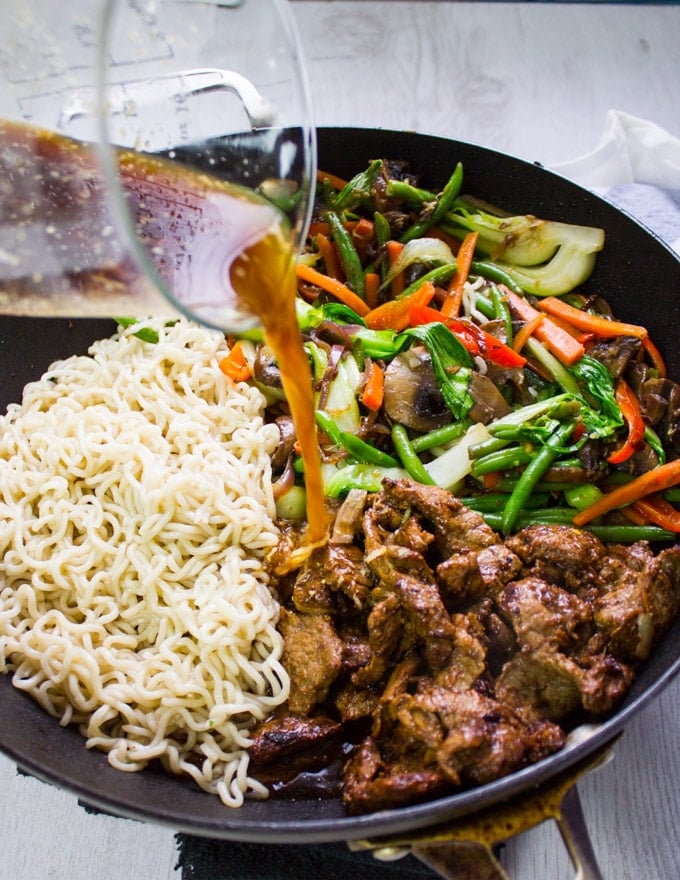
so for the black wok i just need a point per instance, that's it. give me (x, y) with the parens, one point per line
(636, 272)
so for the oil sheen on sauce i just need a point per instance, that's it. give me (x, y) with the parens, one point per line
(223, 252)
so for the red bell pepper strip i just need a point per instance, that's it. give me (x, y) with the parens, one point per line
(632, 415)
(475, 340)
(659, 511)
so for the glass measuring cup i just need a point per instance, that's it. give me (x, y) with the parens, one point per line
(145, 146)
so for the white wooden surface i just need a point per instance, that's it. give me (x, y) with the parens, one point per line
(534, 80)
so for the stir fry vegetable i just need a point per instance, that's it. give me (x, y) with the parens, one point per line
(458, 345)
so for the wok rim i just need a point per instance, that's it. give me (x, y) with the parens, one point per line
(234, 825)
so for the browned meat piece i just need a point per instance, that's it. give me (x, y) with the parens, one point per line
(355, 703)
(455, 526)
(498, 565)
(460, 578)
(367, 787)
(336, 568)
(441, 738)
(386, 626)
(470, 574)
(559, 554)
(282, 735)
(468, 659)
(312, 656)
(546, 684)
(542, 614)
(641, 595)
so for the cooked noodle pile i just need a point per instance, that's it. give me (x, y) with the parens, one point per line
(135, 510)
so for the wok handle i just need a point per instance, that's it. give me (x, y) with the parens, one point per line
(464, 849)
(574, 831)
(470, 860)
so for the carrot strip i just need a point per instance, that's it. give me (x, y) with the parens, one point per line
(659, 511)
(333, 286)
(374, 388)
(329, 256)
(437, 232)
(371, 288)
(526, 331)
(234, 365)
(319, 226)
(655, 357)
(561, 344)
(586, 321)
(335, 181)
(657, 480)
(633, 515)
(394, 249)
(394, 315)
(454, 297)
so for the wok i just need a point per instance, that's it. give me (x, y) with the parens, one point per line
(636, 272)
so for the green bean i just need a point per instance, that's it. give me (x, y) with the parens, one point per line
(493, 272)
(383, 233)
(409, 459)
(618, 534)
(414, 195)
(366, 453)
(502, 313)
(351, 262)
(358, 448)
(439, 436)
(557, 370)
(501, 460)
(582, 495)
(625, 534)
(533, 473)
(436, 275)
(494, 502)
(445, 201)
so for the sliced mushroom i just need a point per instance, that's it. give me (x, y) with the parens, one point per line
(489, 403)
(266, 369)
(412, 397)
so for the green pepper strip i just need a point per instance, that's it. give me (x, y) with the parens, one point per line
(351, 262)
(409, 459)
(357, 447)
(444, 203)
(533, 473)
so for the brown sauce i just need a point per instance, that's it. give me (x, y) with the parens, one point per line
(218, 247)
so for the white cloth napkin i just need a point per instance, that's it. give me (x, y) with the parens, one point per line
(636, 165)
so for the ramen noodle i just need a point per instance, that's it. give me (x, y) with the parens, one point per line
(136, 508)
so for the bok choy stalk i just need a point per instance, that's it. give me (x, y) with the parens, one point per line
(545, 257)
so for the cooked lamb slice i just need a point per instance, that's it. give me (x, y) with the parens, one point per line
(470, 574)
(370, 783)
(312, 656)
(441, 738)
(282, 735)
(545, 684)
(559, 554)
(640, 596)
(455, 526)
(543, 614)
(333, 569)
(386, 629)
